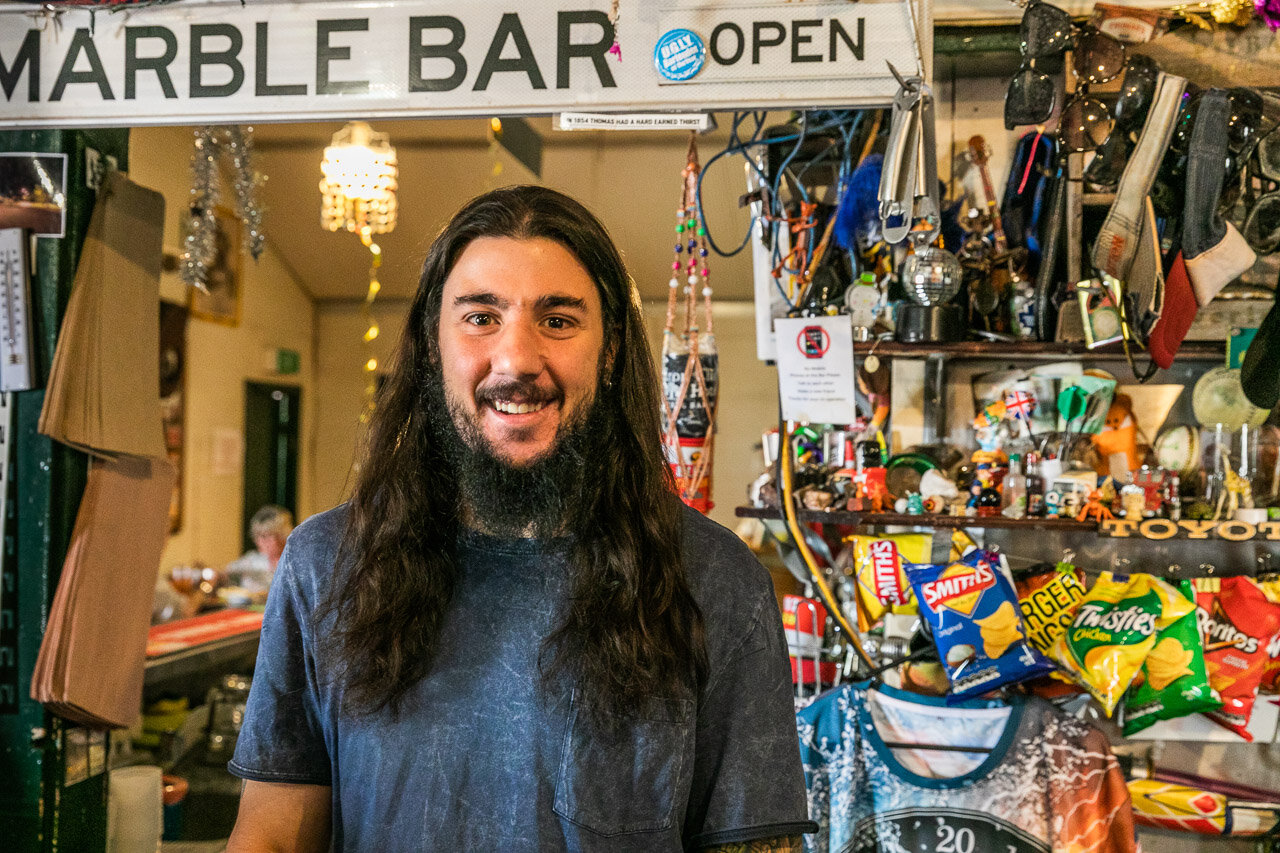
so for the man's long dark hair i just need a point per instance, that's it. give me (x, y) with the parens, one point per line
(630, 627)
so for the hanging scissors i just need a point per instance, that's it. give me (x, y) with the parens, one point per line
(909, 181)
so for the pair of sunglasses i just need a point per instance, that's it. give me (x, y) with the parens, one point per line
(1262, 195)
(1243, 121)
(1141, 75)
(1046, 33)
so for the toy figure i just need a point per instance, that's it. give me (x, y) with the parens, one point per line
(1237, 492)
(1118, 435)
(988, 503)
(1094, 508)
(915, 504)
(975, 492)
(1052, 503)
(1134, 500)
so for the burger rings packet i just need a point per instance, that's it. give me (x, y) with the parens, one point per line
(1173, 681)
(1114, 629)
(972, 609)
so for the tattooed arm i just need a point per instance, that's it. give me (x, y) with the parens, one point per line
(782, 844)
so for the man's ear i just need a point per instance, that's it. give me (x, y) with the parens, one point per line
(610, 352)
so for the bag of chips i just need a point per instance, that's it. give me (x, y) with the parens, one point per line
(1237, 623)
(1173, 681)
(1048, 601)
(1271, 670)
(1113, 629)
(972, 609)
(878, 569)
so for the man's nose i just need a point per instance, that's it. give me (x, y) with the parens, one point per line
(518, 350)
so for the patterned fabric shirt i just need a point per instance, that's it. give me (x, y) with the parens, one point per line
(1049, 783)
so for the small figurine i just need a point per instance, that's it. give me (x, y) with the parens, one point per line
(934, 484)
(975, 492)
(1052, 503)
(1133, 499)
(1093, 508)
(915, 504)
(988, 503)
(1237, 492)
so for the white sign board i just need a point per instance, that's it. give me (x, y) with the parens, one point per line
(223, 62)
(815, 369)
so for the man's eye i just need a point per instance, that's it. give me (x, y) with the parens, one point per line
(478, 319)
(559, 323)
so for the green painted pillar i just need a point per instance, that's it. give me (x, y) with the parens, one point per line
(43, 807)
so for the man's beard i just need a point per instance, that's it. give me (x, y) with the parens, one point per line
(541, 498)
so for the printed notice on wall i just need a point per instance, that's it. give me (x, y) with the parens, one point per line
(815, 369)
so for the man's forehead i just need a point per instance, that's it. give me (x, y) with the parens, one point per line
(535, 272)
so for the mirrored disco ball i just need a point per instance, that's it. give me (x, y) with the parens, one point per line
(932, 276)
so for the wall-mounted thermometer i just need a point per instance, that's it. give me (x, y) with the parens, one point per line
(15, 312)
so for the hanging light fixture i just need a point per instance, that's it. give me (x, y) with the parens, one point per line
(359, 183)
(359, 195)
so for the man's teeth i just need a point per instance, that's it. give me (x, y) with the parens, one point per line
(517, 408)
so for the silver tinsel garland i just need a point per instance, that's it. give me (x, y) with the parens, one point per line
(199, 248)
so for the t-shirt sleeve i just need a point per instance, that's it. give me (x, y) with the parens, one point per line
(281, 738)
(1093, 800)
(747, 781)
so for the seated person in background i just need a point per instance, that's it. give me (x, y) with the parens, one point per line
(269, 528)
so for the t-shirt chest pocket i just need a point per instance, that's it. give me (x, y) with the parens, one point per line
(629, 774)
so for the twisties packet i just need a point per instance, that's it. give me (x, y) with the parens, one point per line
(1173, 681)
(1114, 628)
(878, 566)
(973, 611)
(1237, 623)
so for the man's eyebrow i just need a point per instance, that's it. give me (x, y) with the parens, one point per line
(552, 301)
(481, 298)
(547, 302)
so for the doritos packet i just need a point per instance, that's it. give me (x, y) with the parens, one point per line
(1173, 681)
(1271, 670)
(1114, 628)
(1237, 623)
(973, 612)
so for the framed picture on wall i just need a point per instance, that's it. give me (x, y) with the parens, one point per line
(222, 302)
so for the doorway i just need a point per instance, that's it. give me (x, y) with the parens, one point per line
(270, 450)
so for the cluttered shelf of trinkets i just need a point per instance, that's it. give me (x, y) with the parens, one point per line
(1155, 528)
(900, 519)
(996, 350)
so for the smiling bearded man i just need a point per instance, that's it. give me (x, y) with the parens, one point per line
(514, 637)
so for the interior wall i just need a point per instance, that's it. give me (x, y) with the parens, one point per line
(275, 312)
(341, 354)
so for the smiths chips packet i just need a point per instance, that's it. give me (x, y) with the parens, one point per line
(1237, 623)
(878, 569)
(1114, 628)
(1173, 681)
(973, 611)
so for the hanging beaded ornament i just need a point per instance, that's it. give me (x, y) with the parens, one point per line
(690, 363)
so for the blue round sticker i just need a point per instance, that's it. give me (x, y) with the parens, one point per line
(679, 54)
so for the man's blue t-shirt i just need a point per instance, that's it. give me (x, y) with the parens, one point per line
(492, 758)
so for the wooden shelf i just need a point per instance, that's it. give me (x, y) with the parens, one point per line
(867, 519)
(997, 350)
